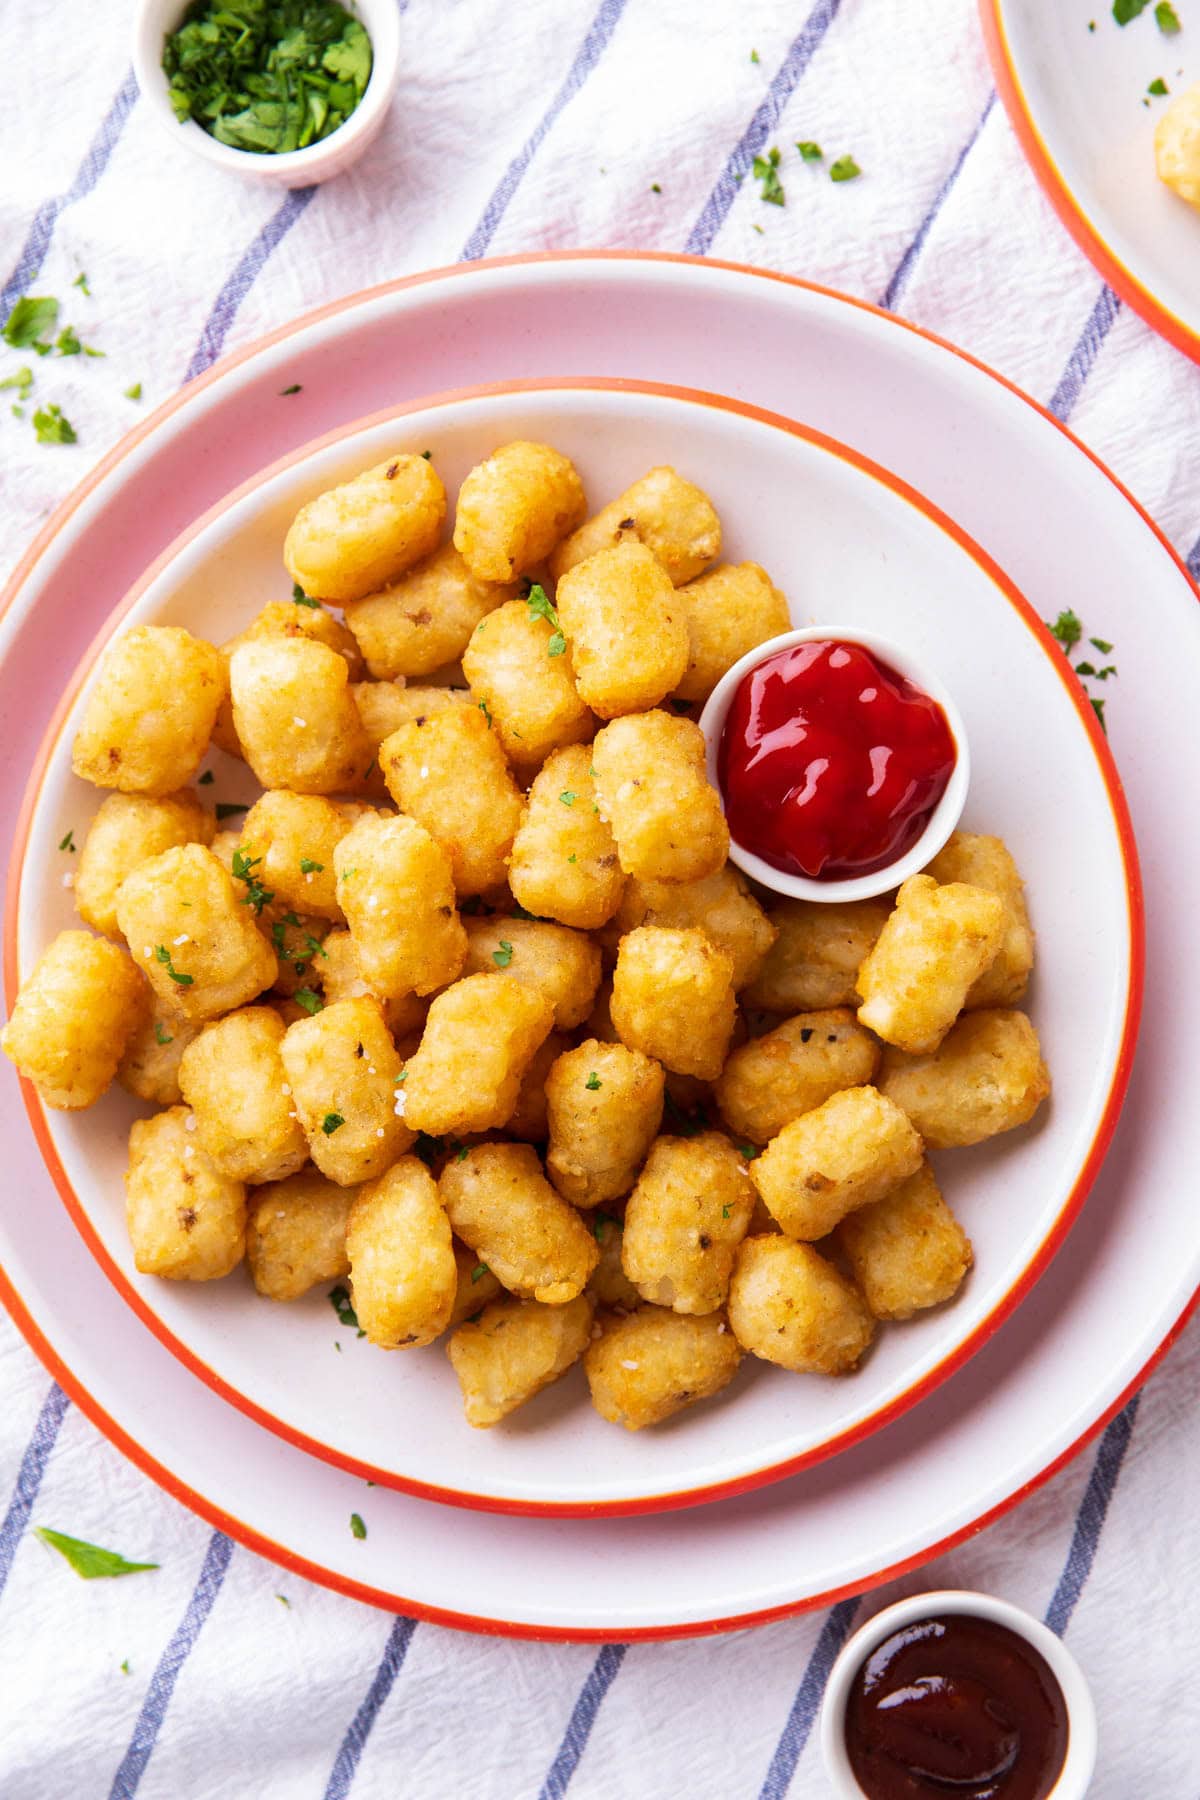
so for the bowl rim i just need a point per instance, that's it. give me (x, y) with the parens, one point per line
(1109, 1112)
(1080, 1760)
(382, 23)
(942, 820)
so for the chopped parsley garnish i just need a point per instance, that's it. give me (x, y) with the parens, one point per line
(754, 57)
(206, 780)
(766, 170)
(339, 1299)
(726, 1212)
(749, 1151)
(1158, 87)
(302, 599)
(68, 843)
(256, 894)
(161, 1036)
(427, 455)
(22, 381)
(332, 1122)
(504, 955)
(284, 1601)
(809, 151)
(311, 1002)
(1068, 630)
(52, 426)
(844, 169)
(1124, 11)
(483, 707)
(572, 858)
(1101, 645)
(347, 873)
(88, 1560)
(540, 607)
(593, 1082)
(521, 912)
(1167, 19)
(309, 867)
(30, 323)
(357, 1528)
(125, 1669)
(229, 809)
(567, 797)
(163, 955)
(81, 282)
(462, 1153)
(655, 188)
(294, 389)
(267, 78)
(478, 1272)
(134, 392)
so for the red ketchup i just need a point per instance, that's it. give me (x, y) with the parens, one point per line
(831, 762)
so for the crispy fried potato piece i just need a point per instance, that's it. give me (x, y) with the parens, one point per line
(564, 862)
(403, 1275)
(75, 1014)
(500, 1203)
(626, 630)
(197, 945)
(341, 978)
(149, 1069)
(672, 517)
(425, 620)
(608, 1284)
(985, 862)
(232, 1077)
(514, 508)
(516, 1349)
(684, 1220)
(652, 1363)
(773, 1079)
(127, 831)
(151, 711)
(846, 1153)
(790, 1306)
(936, 943)
(906, 1251)
(294, 837)
(186, 1220)
(652, 788)
(815, 958)
(287, 619)
(603, 1107)
(397, 891)
(524, 683)
(986, 1076)
(357, 537)
(449, 774)
(729, 612)
(296, 1234)
(341, 1066)
(479, 1039)
(673, 999)
(721, 905)
(294, 713)
(552, 959)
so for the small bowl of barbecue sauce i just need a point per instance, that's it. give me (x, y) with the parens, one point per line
(841, 763)
(957, 1696)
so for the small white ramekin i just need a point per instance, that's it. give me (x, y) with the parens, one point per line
(1080, 1762)
(156, 19)
(942, 820)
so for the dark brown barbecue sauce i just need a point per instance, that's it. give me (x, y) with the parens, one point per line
(956, 1708)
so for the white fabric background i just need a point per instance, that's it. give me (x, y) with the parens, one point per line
(524, 128)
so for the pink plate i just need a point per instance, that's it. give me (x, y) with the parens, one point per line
(1119, 1288)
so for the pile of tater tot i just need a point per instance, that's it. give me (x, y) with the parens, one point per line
(473, 1012)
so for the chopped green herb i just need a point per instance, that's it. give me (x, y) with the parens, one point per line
(1167, 19)
(572, 858)
(766, 169)
(53, 427)
(428, 455)
(593, 1082)
(22, 381)
(844, 169)
(134, 392)
(305, 997)
(18, 412)
(302, 599)
(339, 1299)
(125, 1669)
(478, 1272)
(483, 707)
(309, 867)
(1067, 629)
(229, 809)
(347, 873)
(726, 1211)
(31, 321)
(68, 843)
(540, 605)
(754, 56)
(749, 1151)
(1158, 87)
(369, 768)
(1098, 709)
(556, 644)
(357, 1528)
(332, 1122)
(654, 188)
(206, 780)
(256, 894)
(67, 342)
(567, 797)
(294, 389)
(284, 1601)
(81, 281)
(760, 230)
(1124, 11)
(809, 151)
(267, 78)
(1101, 645)
(161, 1036)
(163, 955)
(88, 1560)
(503, 956)
(402, 1076)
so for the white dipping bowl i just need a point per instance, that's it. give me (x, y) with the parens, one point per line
(1080, 1761)
(156, 19)
(942, 819)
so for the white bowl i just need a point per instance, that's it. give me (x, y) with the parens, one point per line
(942, 819)
(1080, 1760)
(156, 19)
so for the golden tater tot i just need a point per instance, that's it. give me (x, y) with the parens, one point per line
(293, 837)
(294, 712)
(986, 1076)
(479, 1039)
(150, 714)
(651, 1364)
(985, 862)
(476, 1286)
(187, 1221)
(449, 774)
(815, 958)
(626, 630)
(288, 619)
(673, 999)
(397, 891)
(296, 1234)
(341, 1067)
(847, 1152)
(354, 539)
(403, 1275)
(387, 705)
(688, 1212)
(191, 936)
(721, 905)
(935, 944)
(425, 620)
(528, 1120)
(341, 978)
(553, 960)
(728, 613)
(514, 508)
(526, 690)
(564, 861)
(906, 1251)
(75, 1014)
(669, 515)
(233, 1079)
(128, 830)
(149, 1069)
(790, 1306)
(603, 1108)
(652, 788)
(517, 1348)
(773, 1079)
(500, 1203)
(608, 1283)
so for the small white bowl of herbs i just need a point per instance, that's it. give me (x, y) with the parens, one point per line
(283, 91)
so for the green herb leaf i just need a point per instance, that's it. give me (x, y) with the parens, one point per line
(504, 955)
(89, 1560)
(67, 342)
(339, 1299)
(478, 1272)
(483, 707)
(228, 809)
(754, 56)
(593, 1082)
(726, 1212)
(332, 1122)
(22, 381)
(53, 427)
(357, 1528)
(81, 281)
(294, 389)
(655, 188)
(347, 873)
(68, 843)
(125, 1669)
(749, 1151)
(844, 169)
(310, 1001)
(161, 1036)
(134, 392)
(521, 912)
(462, 1153)
(302, 599)
(556, 644)
(1124, 11)
(809, 151)
(1167, 19)
(567, 797)
(1101, 645)
(309, 867)
(766, 170)
(163, 955)
(256, 894)
(31, 321)
(284, 1601)
(1158, 87)
(1098, 709)
(540, 606)
(573, 857)
(1067, 629)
